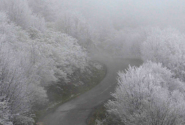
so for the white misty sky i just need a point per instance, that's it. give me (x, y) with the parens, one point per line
(143, 12)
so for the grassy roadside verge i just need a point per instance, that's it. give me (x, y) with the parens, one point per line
(81, 82)
(100, 117)
(99, 113)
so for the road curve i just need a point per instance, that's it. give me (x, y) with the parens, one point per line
(76, 111)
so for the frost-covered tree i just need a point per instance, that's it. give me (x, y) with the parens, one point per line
(148, 95)
(167, 47)
(21, 43)
(14, 85)
(19, 12)
(74, 24)
(125, 42)
(65, 52)
(44, 8)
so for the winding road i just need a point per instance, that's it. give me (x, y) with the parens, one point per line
(76, 111)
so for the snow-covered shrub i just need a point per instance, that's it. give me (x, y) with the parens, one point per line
(148, 95)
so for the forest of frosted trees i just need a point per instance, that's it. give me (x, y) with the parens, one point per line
(42, 41)
(33, 55)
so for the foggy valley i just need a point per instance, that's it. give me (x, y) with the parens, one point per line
(92, 62)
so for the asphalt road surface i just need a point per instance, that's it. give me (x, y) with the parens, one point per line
(76, 111)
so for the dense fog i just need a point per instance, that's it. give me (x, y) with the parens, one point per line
(130, 13)
(49, 43)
